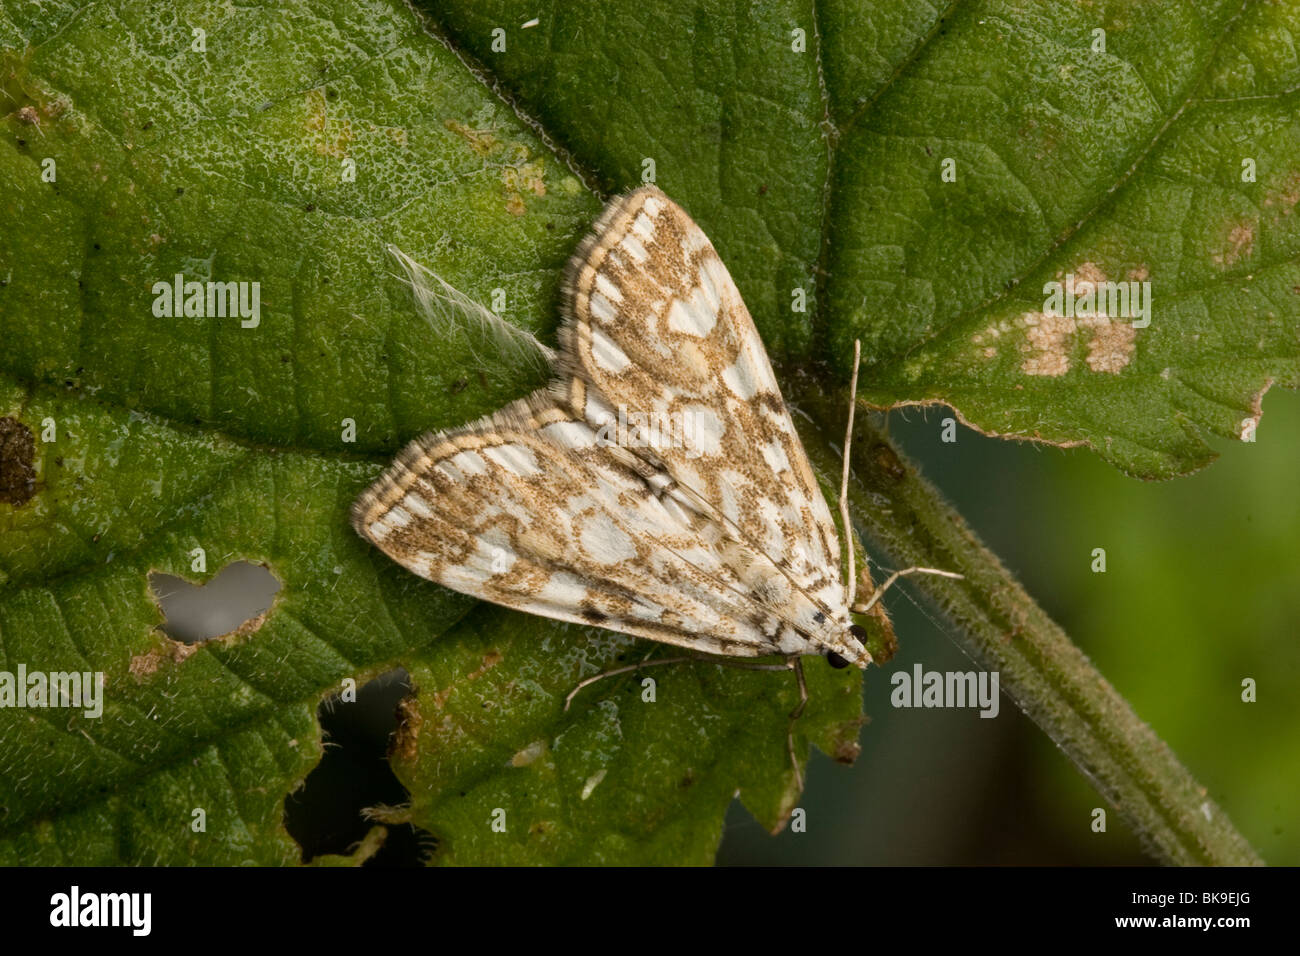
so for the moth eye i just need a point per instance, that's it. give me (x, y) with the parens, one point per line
(835, 660)
(858, 631)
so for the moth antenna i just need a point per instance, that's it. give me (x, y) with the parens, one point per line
(447, 309)
(844, 475)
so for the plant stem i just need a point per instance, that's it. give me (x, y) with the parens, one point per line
(1003, 629)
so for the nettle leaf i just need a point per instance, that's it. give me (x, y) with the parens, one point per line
(1106, 142)
(1123, 142)
(288, 145)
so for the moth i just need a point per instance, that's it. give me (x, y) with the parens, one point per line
(711, 534)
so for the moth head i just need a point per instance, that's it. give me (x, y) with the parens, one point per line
(857, 636)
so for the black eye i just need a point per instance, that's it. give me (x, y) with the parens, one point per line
(858, 631)
(835, 660)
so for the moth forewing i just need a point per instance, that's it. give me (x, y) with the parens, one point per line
(657, 487)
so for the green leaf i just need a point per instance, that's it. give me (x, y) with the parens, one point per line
(130, 439)
(625, 778)
(1123, 165)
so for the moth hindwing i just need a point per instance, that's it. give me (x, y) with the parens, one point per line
(656, 487)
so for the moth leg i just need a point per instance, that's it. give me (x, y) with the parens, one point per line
(790, 663)
(795, 664)
(680, 659)
(797, 667)
(864, 608)
(627, 669)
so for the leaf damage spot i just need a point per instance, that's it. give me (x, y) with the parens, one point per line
(592, 783)
(1051, 339)
(1238, 244)
(528, 754)
(1048, 340)
(525, 177)
(147, 664)
(482, 141)
(17, 457)
(1286, 196)
(1249, 425)
(845, 748)
(519, 174)
(1111, 346)
(847, 752)
(984, 340)
(883, 643)
(406, 737)
(328, 139)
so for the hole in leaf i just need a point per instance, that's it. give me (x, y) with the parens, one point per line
(326, 815)
(236, 598)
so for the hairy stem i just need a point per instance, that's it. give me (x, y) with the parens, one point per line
(1003, 629)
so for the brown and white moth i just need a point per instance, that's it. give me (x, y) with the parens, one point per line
(713, 536)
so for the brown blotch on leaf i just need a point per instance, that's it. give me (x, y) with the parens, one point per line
(1048, 340)
(482, 141)
(1284, 198)
(846, 752)
(17, 454)
(490, 660)
(177, 652)
(1238, 243)
(251, 626)
(147, 664)
(328, 138)
(406, 738)
(845, 748)
(1111, 348)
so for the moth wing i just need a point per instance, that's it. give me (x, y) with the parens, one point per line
(658, 328)
(527, 509)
